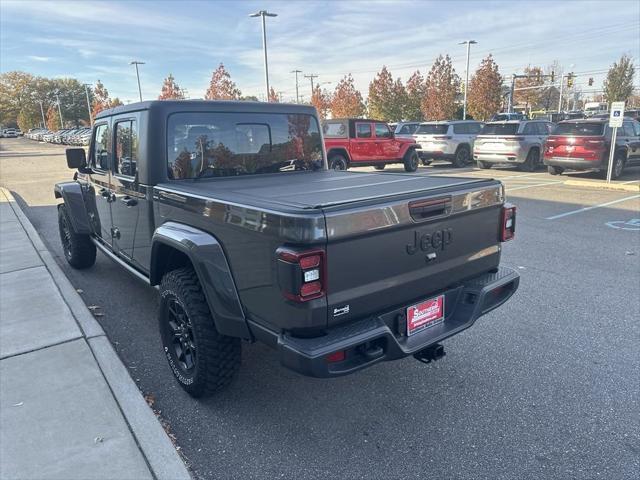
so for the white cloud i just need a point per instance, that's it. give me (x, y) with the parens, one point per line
(37, 58)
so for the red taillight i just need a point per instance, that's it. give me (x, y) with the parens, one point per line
(301, 275)
(507, 222)
(334, 357)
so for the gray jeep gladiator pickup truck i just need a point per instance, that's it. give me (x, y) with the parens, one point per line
(228, 208)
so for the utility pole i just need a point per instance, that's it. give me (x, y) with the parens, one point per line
(59, 111)
(466, 82)
(44, 122)
(513, 86)
(297, 94)
(136, 63)
(561, 87)
(311, 76)
(263, 14)
(86, 91)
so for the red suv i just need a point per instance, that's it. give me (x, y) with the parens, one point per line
(585, 145)
(357, 142)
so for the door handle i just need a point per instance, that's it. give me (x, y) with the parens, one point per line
(129, 202)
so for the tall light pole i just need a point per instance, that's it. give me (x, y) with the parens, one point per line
(263, 14)
(44, 122)
(311, 77)
(86, 91)
(136, 63)
(466, 82)
(60, 111)
(297, 94)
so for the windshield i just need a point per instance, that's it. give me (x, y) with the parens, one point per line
(230, 144)
(432, 129)
(499, 129)
(579, 129)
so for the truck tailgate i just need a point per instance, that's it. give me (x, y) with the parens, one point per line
(403, 249)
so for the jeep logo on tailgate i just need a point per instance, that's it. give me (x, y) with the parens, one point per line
(430, 241)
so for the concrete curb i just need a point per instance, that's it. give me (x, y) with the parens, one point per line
(603, 185)
(161, 456)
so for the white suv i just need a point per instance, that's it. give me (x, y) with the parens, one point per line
(447, 140)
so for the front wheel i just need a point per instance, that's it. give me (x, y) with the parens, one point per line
(483, 165)
(201, 359)
(531, 162)
(79, 250)
(379, 167)
(618, 166)
(555, 170)
(411, 161)
(338, 162)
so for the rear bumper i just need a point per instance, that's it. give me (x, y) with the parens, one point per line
(434, 155)
(516, 156)
(572, 163)
(383, 337)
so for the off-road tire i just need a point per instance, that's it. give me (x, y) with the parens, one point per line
(411, 161)
(462, 157)
(483, 165)
(618, 167)
(338, 162)
(554, 170)
(379, 167)
(217, 356)
(79, 250)
(532, 161)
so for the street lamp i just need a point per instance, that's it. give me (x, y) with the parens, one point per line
(263, 14)
(86, 91)
(44, 122)
(297, 92)
(136, 63)
(468, 43)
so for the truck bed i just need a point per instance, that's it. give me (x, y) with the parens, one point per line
(314, 190)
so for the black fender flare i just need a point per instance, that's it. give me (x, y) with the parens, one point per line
(339, 151)
(72, 195)
(210, 264)
(410, 149)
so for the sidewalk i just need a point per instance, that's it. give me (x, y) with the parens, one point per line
(68, 407)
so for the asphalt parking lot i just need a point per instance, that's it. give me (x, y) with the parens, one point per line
(544, 387)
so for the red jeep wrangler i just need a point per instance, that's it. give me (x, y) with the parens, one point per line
(356, 142)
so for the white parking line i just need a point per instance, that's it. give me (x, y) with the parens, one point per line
(509, 189)
(593, 207)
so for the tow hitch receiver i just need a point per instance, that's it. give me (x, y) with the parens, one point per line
(431, 353)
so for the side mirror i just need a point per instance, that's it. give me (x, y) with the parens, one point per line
(76, 158)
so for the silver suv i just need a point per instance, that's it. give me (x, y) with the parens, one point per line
(512, 142)
(447, 140)
(406, 129)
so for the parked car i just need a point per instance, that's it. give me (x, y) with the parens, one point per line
(506, 116)
(513, 142)
(633, 113)
(19, 132)
(405, 129)
(337, 271)
(357, 142)
(447, 140)
(586, 144)
(9, 133)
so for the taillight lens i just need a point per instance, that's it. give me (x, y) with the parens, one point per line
(301, 274)
(508, 222)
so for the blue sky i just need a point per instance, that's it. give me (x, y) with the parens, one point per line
(96, 40)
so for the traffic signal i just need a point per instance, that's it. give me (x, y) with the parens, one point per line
(591, 81)
(570, 80)
(553, 76)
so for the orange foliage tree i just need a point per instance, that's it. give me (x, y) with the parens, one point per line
(485, 90)
(441, 89)
(321, 99)
(347, 100)
(415, 92)
(221, 87)
(171, 90)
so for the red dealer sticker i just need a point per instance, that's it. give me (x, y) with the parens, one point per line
(425, 314)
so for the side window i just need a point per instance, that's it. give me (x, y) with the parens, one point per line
(406, 130)
(363, 130)
(636, 127)
(126, 151)
(382, 131)
(100, 158)
(627, 129)
(460, 128)
(475, 128)
(530, 129)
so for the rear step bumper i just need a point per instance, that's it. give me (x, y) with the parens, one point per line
(382, 338)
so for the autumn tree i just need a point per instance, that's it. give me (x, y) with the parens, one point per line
(530, 98)
(171, 90)
(321, 99)
(53, 118)
(347, 100)
(441, 89)
(101, 99)
(221, 87)
(273, 96)
(485, 90)
(415, 92)
(386, 98)
(618, 86)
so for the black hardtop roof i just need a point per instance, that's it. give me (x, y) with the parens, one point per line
(165, 107)
(353, 119)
